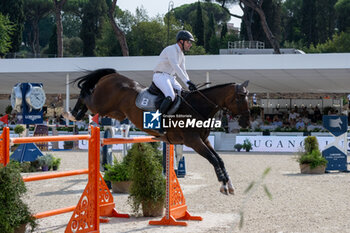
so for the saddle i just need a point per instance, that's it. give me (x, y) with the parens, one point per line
(150, 99)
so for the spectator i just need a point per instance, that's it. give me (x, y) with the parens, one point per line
(317, 114)
(293, 115)
(277, 121)
(300, 124)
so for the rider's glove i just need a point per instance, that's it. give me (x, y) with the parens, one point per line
(191, 86)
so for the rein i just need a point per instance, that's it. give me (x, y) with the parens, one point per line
(206, 98)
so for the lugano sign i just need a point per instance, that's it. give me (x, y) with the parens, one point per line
(283, 143)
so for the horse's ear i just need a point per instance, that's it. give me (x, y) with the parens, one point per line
(245, 84)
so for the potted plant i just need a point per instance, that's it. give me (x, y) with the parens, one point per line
(119, 175)
(55, 163)
(238, 147)
(14, 213)
(148, 187)
(311, 160)
(247, 145)
(19, 129)
(45, 161)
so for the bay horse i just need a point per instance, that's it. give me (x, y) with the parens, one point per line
(111, 94)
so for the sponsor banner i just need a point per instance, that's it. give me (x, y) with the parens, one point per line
(284, 143)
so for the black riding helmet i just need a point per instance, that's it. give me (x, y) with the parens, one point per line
(184, 35)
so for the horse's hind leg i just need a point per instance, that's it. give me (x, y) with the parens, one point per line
(201, 148)
(231, 188)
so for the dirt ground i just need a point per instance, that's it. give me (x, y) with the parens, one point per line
(300, 203)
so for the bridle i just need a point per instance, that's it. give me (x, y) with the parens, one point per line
(239, 99)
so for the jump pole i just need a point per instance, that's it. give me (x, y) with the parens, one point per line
(175, 206)
(96, 199)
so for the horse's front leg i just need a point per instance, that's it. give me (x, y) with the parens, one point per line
(201, 148)
(231, 188)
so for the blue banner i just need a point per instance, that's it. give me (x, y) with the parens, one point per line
(336, 125)
(336, 158)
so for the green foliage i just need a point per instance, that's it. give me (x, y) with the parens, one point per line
(93, 18)
(199, 25)
(238, 146)
(119, 171)
(310, 144)
(247, 145)
(52, 49)
(146, 173)
(14, 10)
(339, 44)
(56, 162)
(35, 10)
(147, 38)
(13, 211)
(45, 160)
(19, 129)
(73, 46)
(223, 30)
(291, 21)
(342, 8)
(6, 30)
(311, 154)
(314, 158)
(8, 109)
(26, 166)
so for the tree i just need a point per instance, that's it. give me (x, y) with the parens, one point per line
(148, 38)
(291, 20)
(223, 30)
(339, 44)
(92, 22)
(210, 35)
(199, 25)
(255, 5)
(325, 20)
(52, 49)
(272, 10)
(35, 10)
(117, 30)
(6, 30)
(14, 10)
(58, 16)
(342, 8)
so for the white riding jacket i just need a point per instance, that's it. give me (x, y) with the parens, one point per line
(172, 61)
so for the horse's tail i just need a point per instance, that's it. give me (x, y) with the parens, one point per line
(87, 83)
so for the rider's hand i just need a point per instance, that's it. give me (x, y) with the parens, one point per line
(191, 86)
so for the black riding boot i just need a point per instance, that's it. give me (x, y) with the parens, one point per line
(164, 107)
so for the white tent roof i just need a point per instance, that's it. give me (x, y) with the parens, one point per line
(288, 73)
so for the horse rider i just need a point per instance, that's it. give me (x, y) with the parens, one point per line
(171, 62)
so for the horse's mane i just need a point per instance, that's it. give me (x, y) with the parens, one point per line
(87, 82)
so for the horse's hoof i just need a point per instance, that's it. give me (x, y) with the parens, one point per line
(68, 116)
(223, 189)
(231, 188)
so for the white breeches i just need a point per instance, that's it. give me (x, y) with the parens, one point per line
(166, 83)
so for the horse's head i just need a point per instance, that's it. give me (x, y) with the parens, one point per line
(237, 103)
